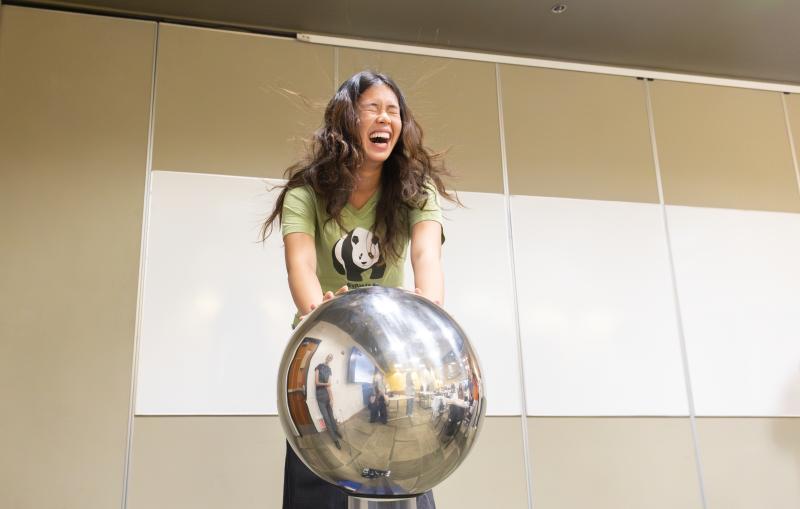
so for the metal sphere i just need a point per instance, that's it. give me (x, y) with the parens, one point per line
(403, 386)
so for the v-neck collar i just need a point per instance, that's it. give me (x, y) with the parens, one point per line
(367, 205)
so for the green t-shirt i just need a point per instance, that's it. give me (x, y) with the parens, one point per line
(350, 256)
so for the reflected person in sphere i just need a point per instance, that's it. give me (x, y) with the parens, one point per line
(409, 394)
(367, 188)
(377, 401)
(324, 393)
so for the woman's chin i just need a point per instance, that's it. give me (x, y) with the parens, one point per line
(376, 159)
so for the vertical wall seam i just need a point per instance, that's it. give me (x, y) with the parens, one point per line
(142, 269)
(791, 140)
(335, 68)
(675, 297)
(510, 233)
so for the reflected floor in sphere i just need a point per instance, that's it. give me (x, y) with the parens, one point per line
(396, 446)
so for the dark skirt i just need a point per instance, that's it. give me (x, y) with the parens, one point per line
(302, 489)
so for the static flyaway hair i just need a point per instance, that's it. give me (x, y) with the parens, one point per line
(335, 153)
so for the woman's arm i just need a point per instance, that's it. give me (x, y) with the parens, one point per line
(426, 259)
(301, 267)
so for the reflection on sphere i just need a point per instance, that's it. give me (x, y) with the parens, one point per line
(380, 393)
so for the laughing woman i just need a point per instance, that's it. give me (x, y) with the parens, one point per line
(367, 188)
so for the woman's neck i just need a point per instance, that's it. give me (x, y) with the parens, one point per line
(367, 181)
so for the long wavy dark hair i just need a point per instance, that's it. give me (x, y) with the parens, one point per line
(335, 153)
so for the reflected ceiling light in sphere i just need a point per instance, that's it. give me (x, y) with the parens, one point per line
(558, 8)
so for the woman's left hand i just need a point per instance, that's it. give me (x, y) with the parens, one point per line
(418, 291)
(329, 295)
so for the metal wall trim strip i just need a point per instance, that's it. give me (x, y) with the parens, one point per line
(511, 256)
(675, 296)
(142, 269)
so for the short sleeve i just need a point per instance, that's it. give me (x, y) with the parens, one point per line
(431, 211)
(299, 212)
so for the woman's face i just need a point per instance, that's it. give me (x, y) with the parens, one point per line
(379, 123)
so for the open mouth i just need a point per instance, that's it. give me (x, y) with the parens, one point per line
(380, 139)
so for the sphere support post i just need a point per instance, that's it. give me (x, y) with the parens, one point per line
(365, 503)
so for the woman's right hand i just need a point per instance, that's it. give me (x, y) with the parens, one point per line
(325, 298)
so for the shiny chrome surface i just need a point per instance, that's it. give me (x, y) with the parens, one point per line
(406, 393)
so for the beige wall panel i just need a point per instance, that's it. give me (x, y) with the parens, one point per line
(222, 104)
(723, 147)
(751, 463)
(212, 462)
(493, 475)
(793, 107)
(577, 135)
(74, 103)
(613, 463)
(455, 102)
(207, 462)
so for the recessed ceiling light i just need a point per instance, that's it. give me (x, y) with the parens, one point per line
(558, 8)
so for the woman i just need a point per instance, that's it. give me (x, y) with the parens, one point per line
(367, 188)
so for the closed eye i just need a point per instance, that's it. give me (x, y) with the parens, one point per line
(371, 107)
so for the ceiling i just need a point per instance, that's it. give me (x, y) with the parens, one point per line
(745, 39)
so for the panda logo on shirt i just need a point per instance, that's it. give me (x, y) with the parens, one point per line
(356, 252)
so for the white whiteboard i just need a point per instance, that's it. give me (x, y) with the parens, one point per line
(597, 315)
(739, 281)
(216, 308)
